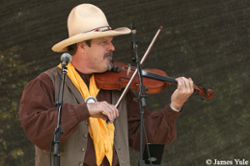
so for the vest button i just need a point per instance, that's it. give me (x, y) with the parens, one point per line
(83, 149)
(85, 135)
(80, 164)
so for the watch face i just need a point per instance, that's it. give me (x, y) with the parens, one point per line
(90, 99)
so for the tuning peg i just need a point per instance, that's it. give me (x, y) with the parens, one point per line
(197, 93)
(62, 131)
(203, 98)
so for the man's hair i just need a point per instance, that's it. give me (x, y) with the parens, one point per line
(73, 48)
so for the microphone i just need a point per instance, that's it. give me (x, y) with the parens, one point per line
(133, 28)
(65, 58)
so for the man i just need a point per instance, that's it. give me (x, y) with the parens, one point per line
(88, 140)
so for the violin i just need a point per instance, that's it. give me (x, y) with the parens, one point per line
(154, 80)
(123, 75)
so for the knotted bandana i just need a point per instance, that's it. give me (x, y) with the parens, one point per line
(101, 132)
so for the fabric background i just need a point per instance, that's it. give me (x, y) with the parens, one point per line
(207, 40)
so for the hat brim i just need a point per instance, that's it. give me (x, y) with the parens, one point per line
(62, 46)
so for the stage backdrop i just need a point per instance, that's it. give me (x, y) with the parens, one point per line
(207, 40)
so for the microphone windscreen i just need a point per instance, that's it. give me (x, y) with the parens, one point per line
(66, 56)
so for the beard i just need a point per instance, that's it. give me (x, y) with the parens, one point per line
(109, 56)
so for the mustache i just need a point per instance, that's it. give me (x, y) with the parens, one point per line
(108, 54)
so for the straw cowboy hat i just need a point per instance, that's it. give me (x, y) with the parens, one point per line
(86, 22)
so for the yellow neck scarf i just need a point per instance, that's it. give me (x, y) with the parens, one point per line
(101, 133)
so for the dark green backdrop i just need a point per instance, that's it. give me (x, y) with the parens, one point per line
(207, 40)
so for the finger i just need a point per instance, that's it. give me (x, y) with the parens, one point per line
(116, 112)
(110, 115)
(188, 85)
(104, 117)
(191, 84)
(180, 83)
(106, 111)
(184, 82)
(112, 111)
(188, 82)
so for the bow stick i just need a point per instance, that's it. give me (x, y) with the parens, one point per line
(142, 61)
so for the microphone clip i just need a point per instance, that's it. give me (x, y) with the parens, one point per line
(134, 42)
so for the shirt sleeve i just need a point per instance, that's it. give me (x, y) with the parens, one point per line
(160, 125)
(39, 116)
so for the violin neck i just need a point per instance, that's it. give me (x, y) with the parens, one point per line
(163, 78)
(158, 77)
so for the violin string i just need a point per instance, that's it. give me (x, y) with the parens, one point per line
(142, 61)
(157, 76)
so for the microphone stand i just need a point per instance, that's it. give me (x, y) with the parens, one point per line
(59, 105)
(142, 102)
(141, 97)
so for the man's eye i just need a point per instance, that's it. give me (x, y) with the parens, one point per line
(104, 41)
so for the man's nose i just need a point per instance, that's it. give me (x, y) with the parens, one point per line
(111, 47)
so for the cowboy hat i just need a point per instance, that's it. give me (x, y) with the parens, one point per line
(85, 22)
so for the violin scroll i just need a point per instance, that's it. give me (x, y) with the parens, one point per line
(205, 93)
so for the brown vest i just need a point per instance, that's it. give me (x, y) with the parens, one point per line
(73, 150)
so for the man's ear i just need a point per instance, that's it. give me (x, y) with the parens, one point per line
(81, 46)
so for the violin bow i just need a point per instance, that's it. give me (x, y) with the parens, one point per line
(142, 61)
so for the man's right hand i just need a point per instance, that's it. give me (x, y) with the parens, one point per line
(103, 110)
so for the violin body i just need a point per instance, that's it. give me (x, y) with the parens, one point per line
(119, 78)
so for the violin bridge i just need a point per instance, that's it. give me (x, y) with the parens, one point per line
(129, 69)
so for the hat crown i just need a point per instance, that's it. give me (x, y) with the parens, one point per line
(87, 22)
(84, 18)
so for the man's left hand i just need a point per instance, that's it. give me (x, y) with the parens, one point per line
(184, 89)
